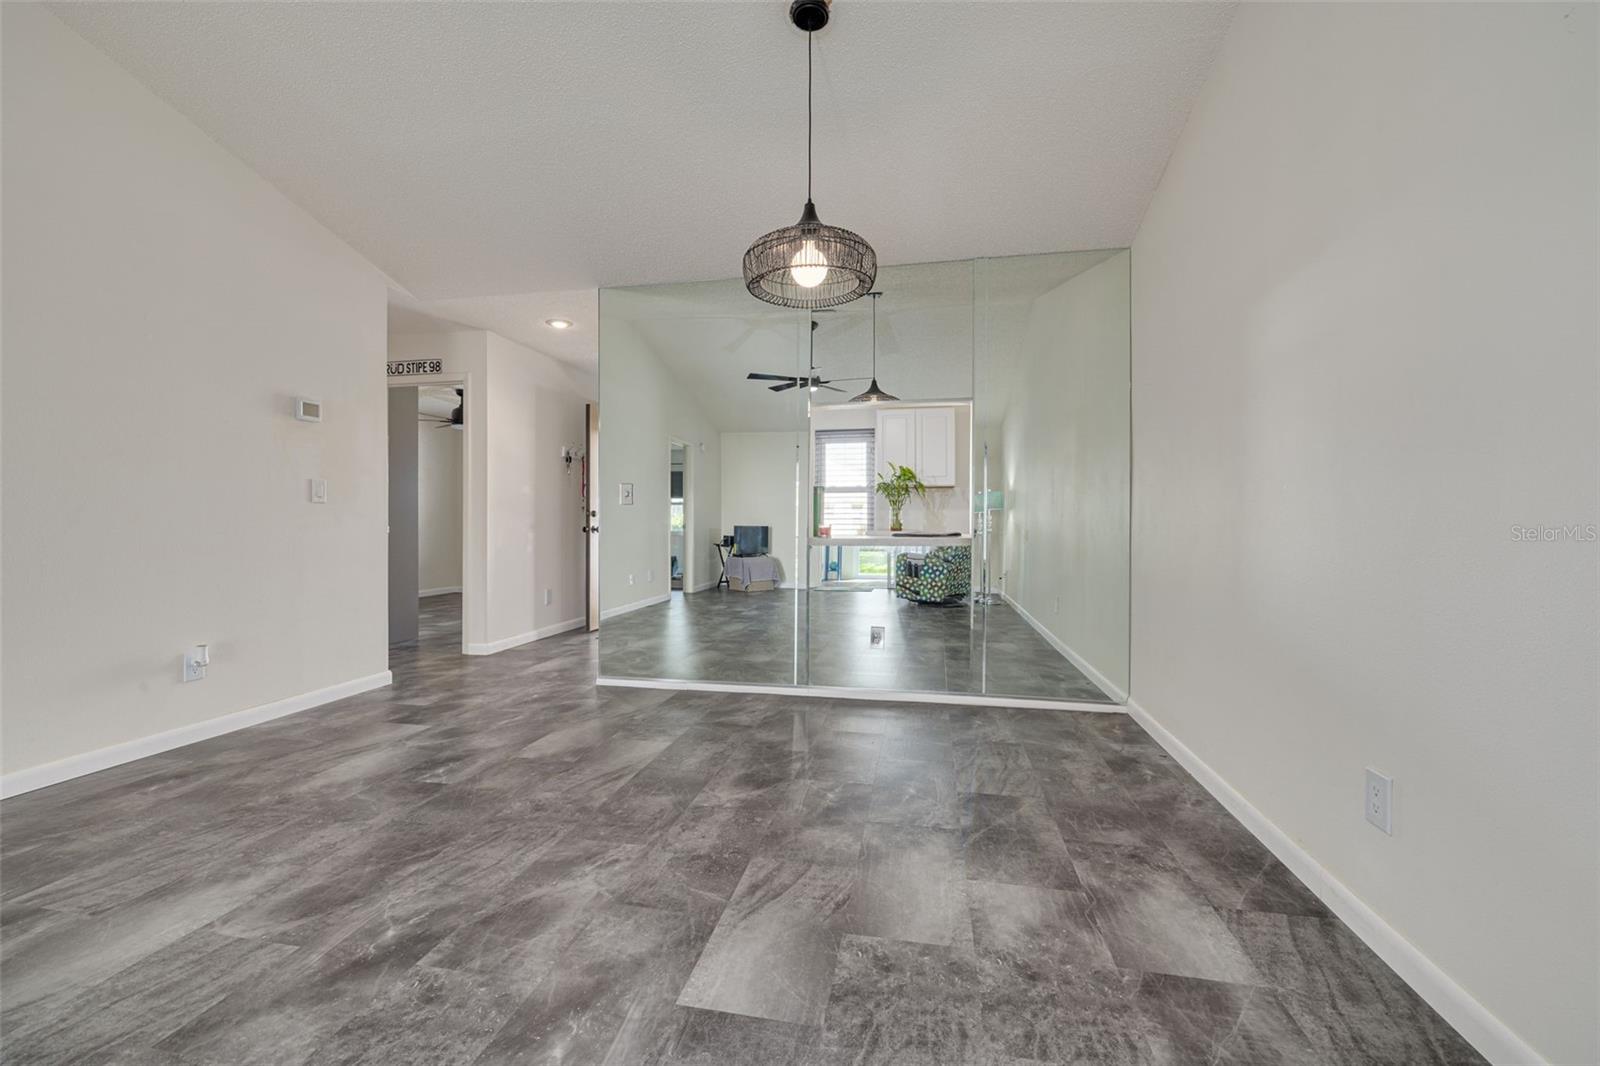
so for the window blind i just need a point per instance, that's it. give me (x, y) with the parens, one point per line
(844, 465)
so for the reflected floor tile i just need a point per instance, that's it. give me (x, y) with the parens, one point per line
(1154, 919)
(141, 1004)
(911, 886)
(716, 1038)
(909, 792)
(1042, 927)
(996, 770)
(898, 1002)
(1063, 1015)
(1013, 839)
(772, 952)
(612, 992)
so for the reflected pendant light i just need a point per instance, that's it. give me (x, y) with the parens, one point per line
(873, 393)
(808, 264)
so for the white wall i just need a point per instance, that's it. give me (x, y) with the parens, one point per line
(1364, 351)
(439, 461)
(523, 517)
(759, 479)
(643, 408)
(535, 511)
(1064, 470)
(163, 305)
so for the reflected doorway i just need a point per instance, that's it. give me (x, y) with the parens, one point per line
(427, 514)
(677, 517)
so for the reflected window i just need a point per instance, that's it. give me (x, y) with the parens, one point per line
(844, 474)
(873, 562)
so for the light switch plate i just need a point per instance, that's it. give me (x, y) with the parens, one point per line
(319, 490)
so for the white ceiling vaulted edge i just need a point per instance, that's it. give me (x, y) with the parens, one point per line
(477, 150)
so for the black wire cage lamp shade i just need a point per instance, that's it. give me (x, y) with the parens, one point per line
(810, 264)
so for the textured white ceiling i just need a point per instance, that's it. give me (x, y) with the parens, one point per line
(474, 150)
(522, 317)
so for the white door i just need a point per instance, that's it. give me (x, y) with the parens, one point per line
(936, 445)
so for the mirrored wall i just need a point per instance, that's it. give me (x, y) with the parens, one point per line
(922, 491)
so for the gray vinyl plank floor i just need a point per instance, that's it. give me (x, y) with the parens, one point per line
(495, 861)
(822, 637)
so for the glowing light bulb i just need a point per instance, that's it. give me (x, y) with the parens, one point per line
(809, 267)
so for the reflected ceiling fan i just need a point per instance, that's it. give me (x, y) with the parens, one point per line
(793, 381)
(458, 417)
(790, 381)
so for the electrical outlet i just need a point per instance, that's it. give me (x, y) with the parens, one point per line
(547, 597)
(630, 579)
(1379, 801)
(1057, 608)
(649, 577)
(195, 661)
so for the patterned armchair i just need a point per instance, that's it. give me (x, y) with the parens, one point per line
(936, 576)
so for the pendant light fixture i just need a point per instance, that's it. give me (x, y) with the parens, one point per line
(808, 264)
(873, 393)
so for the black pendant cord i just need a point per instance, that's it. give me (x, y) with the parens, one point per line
(874, 337)
(808, 116)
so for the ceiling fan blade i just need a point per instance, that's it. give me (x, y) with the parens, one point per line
(780, 388)
(830, 388)
(770, 377)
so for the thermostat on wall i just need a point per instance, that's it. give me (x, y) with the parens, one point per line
(307, 410)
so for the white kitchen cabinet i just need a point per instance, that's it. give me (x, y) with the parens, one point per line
(923, 438)
(897, 438)
(936, 445)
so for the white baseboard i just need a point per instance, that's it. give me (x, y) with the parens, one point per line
(89, 762)
(877, 695)
(1106, 686)
(637, 605)
(1492, 1037)
(443, 590)
(524, 638)
(703, 587)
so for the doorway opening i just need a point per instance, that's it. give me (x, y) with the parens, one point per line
(427, 510)
(677, 518)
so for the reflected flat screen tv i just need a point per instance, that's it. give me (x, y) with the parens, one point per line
(750, 540)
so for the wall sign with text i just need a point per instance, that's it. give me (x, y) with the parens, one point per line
(406, 367)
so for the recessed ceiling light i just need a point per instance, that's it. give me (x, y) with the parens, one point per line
(558, 323)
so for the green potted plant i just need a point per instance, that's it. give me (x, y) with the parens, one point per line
(896, 487)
